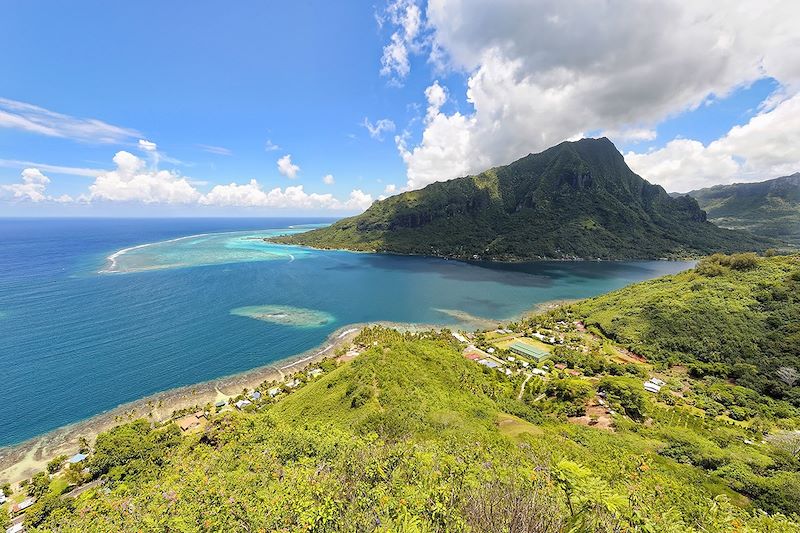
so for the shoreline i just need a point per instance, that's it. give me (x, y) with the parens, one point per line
(20, 461)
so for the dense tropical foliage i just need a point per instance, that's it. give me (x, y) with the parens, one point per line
(577, 199)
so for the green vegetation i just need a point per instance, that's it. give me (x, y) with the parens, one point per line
(770, 208)
(411, 436)
(577, 199)
(732, 318)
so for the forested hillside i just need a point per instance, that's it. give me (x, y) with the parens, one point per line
(770, 208)
(736, 317)
(576, 199)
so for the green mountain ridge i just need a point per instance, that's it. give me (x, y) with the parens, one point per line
(574, 200)
(770, 208)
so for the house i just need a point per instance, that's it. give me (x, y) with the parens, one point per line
(220, 404)
(657, 382)
(490, 350)
(294, 383)
(19, 527)
(489, 363)
(459, 337)
(2, 497)
(314, 372)
(24, 504)
(649, 386)
(255, 395)
(77, 458)
(510, 359)
(538, 372)
(525, 364)
(560, 366)
(274, 391)
(526, 350)
(241, 404)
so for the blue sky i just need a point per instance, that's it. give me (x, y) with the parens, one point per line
(223, 94)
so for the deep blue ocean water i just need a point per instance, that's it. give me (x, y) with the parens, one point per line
(75, 341)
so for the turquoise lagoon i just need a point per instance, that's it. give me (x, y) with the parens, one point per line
(97, 313)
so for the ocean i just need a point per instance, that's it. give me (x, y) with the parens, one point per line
(183, 301)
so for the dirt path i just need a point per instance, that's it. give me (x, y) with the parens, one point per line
(522, 389)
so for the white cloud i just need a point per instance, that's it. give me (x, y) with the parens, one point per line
(35, 119)
(252, 195)
(147, 146)
(406, 15)
(436, 96)
(390, 189)
(217, 150)
(630, 135)
(57, 169)
(543, 72)
(269, 146)
(132, 181)
(287, 168)
(766, 147)
(377, 129)
(327, 179)
(32, 187)
(358, 200)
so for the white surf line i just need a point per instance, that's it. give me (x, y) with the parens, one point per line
(113, 257)
(304, 359)
(348, 332)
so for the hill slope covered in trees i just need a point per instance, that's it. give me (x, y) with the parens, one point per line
(770, 208)
(576, 199)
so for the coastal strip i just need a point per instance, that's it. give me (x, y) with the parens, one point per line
(21, 461)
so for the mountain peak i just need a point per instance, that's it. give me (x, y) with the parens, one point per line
(576, 199)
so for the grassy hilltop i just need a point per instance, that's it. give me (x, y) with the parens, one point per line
(412, 436)
(576, 199)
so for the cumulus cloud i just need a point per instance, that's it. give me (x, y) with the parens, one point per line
(35, 119)
(269, 146)
(406, 16)
(31, 188)
(287, 168)
(377, 129)
(766, 147)
(390, 189)
(327, 179)
(539, 74)
(132, 181)
(252, 195)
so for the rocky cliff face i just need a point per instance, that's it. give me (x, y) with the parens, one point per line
(576, 199)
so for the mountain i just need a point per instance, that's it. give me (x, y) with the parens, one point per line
(576, 199)
(770, 208)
